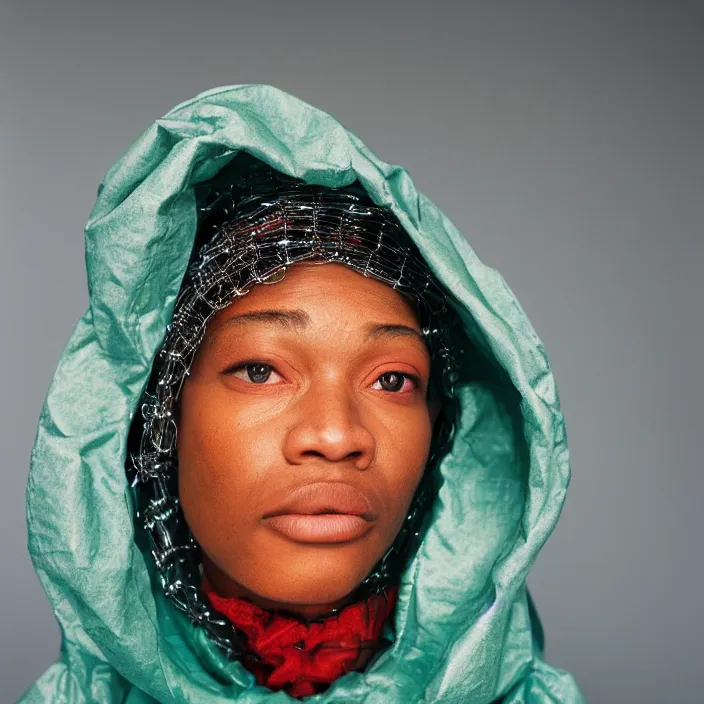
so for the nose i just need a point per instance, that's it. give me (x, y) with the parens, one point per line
(329, 427)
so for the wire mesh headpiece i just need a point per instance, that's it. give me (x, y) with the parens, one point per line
(253, 224)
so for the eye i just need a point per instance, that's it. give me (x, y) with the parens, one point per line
(253, 372)
(395, 382)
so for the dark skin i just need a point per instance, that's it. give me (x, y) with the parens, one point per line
(320, 379)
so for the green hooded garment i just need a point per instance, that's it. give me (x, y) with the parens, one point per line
(465, 630)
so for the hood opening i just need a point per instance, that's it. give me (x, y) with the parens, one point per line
(213, 215)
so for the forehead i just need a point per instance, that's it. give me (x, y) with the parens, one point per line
(327, 290)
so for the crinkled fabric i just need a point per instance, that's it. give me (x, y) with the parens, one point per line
(465, 630)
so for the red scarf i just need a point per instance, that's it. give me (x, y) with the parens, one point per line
(301, 658)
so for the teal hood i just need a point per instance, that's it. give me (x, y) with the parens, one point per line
(465, 630)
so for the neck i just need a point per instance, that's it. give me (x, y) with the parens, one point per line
(229, 588)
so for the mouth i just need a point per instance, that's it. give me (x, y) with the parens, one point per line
(323, 512)
(320, 527)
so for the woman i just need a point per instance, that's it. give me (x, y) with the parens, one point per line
(337, 475)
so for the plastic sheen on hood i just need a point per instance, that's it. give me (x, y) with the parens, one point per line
(465, 628)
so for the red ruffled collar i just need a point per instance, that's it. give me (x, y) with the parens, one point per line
(304, 659)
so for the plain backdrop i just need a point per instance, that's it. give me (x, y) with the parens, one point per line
(564, 139)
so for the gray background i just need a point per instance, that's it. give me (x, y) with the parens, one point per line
(563, 139)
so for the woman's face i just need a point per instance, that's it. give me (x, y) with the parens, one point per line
(303, 432)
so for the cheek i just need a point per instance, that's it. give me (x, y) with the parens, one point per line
(404, 453)
(223, 455)
(222, 435)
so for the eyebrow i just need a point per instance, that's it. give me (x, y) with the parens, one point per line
(298, 319)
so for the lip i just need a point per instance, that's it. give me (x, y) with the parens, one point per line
(323, 512)
(321, 528)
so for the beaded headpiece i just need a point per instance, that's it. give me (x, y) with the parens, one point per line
(254, 222)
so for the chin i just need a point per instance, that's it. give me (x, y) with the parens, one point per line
(323, 577)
